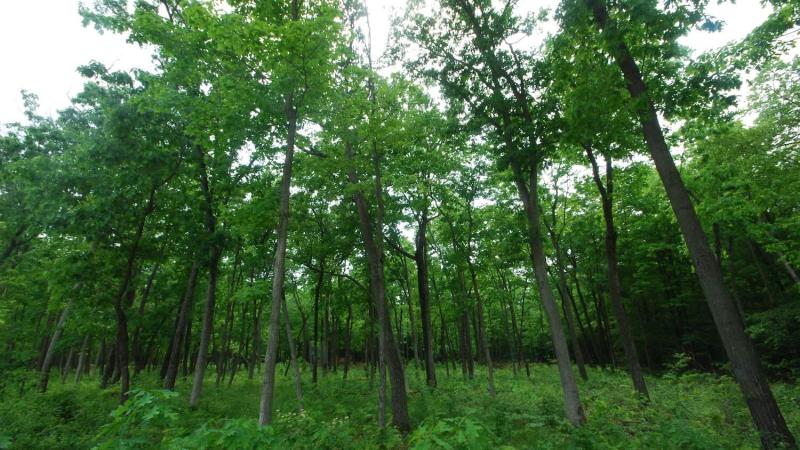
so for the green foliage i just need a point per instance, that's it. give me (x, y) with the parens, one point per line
(135, 423)
(106, 206)
(452, 433)
(690, 410)
(233, 433)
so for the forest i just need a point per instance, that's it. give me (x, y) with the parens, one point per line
(515, 228)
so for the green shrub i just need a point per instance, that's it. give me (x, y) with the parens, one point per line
(139, 422)
(452, 433)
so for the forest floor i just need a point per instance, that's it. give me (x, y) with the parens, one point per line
(688, 411)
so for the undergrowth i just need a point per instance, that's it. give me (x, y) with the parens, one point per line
(687, 411)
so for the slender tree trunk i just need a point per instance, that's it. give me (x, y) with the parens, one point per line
(614, 287)
(522, 333)
(757, 261)
(317, 294)
(487, 356)
(348, 337)
(187, 347)
(373, 243)
(732, 273)
(51, 348)
(411, 316)
(214, 256)
(443, 343)
(421, 259)
(67, 365)
(279, 266)
(225, 346)
(258, 308)
(596, 338)
(224, 353)
(125, 297)
(183, 319)
(298, 391)
(82, 359)
(101, 354)
(573, 335)
(109, 366)
(789, 269)
(138, 353)
(444, 339)
(746, 366)
(122, 352)
(326, 332)
(530, 199)
(334, 346)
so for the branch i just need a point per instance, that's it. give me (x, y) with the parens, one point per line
(313, 152)
(336, 274)
(398, 248)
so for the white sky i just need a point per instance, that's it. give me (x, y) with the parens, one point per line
(42, 42)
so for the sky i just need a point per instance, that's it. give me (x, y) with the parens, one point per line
(42, 42)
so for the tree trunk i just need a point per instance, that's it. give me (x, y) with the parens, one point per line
(51, 348)
(614, 287)
(122, 352)
(214, 256)
(224, 353)
(573, 335)
(227, 327)
(258, 308)
(279, 266)
(101, 355)
(138, 353)
(67, 365)
(789, 269)
(411, 316)
(746, 366)
(530, 200)
(109, 367)
(348, 337)
(317, 294)
(206, 330)
(82, 359)
(183, 319)
(487, 356)
(421, 259)
(298, 392)
(522, 333)
(373, 243)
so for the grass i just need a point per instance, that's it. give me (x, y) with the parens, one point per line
(690, 411)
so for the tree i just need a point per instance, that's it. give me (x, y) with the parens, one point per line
(746, 366)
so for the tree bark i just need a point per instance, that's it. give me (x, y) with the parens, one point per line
(746, 366)
(615, 290)
(373, 239)
(530, 199)
(138, 354)
(348, 337)
(411, 316)
(279, 267)
(44, 376)
(173, 360)
(298, 391)
(258, 315)
(421, 259)
(214, 256)
(487, 356)
(571, 331)
(67, 365)
(82, 359)
(317, 294)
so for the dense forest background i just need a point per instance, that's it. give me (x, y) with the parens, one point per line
(476, 221)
